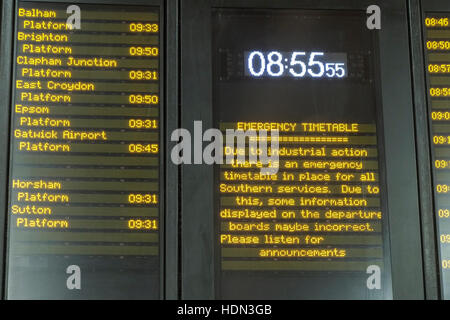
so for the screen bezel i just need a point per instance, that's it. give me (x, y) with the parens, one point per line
(431, 252)
(168, 116)
(386, 280)
(402, 189)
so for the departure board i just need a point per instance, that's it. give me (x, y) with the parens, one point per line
(317, 228)
(436, 30)
(84, 205)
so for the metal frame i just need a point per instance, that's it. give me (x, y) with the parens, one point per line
(197, 193)
(169, 109)
(196, 196)
(197, 221)
(171, 276)
(429, 244)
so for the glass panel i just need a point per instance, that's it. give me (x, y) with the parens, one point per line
(317, 229)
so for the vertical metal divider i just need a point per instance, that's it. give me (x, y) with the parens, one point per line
(429, 248)
(5, 96)
(171, 171)
(400, 148)
(197, 179)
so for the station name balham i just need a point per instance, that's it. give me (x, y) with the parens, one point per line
(70, 61)
(36, 13)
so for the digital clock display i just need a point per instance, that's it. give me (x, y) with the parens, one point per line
(296, 64)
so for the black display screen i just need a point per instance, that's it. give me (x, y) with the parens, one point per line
(84, 205)
(317, 229)
(436, 28)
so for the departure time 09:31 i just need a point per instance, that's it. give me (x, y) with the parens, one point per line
(297, 64)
